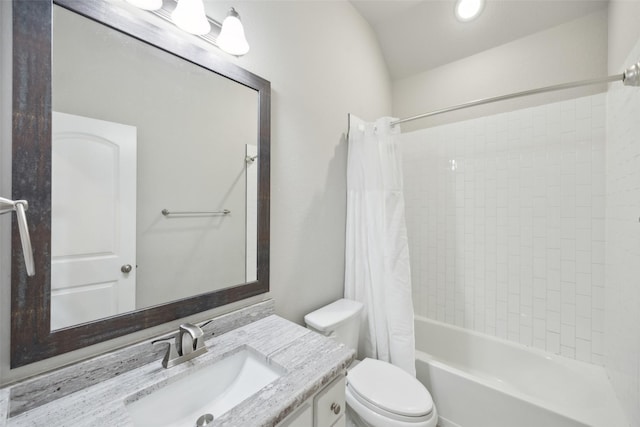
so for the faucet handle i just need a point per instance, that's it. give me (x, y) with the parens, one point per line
(172, 352)
(205, 323)
(164, 340)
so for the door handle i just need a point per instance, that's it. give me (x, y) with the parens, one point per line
(126, 268)
(20, 206)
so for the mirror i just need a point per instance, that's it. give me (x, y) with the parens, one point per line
(138, 132)
(113, 150)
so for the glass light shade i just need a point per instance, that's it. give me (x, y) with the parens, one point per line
(466, 10)
(232, 39)
(146, 4)
(189, 15)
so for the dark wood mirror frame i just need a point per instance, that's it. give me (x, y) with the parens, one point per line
(31, 336)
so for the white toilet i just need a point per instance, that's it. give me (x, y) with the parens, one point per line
(378, 393)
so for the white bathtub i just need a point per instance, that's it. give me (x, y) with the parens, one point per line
(481, 381)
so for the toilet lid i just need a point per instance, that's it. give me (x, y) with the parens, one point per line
(390, 388)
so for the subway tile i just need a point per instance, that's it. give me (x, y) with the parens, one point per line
(597, 274)
(597, 343)
(568, 271)
(583, 328)
(526, 335)
(597, 297)
(597, 320)
(583, 284)
(583, 350)
(512, 243)
(569, 352)
(598, 117)
(540, 343)
(583, 305)
(553, 321)
(539, 329)
(553, 342)
(568, 292)
(568, 249)
(553, 301)
(597, 359)
(583, 262)
(567, 336)
(568, 315)
(583, 110)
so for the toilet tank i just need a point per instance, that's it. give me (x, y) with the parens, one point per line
(340, 320)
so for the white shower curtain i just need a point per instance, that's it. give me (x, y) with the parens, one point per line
(377, 271)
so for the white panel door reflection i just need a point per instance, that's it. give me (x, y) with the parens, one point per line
(93, 221)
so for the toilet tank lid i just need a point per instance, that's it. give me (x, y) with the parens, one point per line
(332, 315)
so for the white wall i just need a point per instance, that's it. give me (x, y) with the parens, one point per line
(323, 62)
(505, 217)
(623, 33)
(622, 294)
(569, 52)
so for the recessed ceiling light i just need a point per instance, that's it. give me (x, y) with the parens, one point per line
(467, 10)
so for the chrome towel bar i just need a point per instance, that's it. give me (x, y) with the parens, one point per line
(166, 212)
(20, 206)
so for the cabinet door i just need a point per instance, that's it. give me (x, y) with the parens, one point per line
(341, 422)
(329, 404)
(303, 417)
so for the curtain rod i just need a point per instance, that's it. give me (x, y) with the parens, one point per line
(630, 77)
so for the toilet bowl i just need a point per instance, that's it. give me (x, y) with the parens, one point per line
(383, 395)
(378, 393)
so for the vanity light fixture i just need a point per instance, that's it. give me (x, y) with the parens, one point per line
(468, 10)
(146, 4)
(190, 16)
(232, 39)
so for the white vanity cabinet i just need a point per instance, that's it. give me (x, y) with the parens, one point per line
(324, 409)
(301, 417)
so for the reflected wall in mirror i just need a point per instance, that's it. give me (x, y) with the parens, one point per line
(144, 132)
(121, 155)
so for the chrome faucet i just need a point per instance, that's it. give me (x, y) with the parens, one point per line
(189, 343)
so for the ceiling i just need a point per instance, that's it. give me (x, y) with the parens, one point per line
(418, 35)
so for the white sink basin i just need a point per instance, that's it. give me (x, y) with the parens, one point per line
(213, 389)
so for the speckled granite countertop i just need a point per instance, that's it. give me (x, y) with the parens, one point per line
(310, 360)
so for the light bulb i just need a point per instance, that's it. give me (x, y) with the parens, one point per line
(146, 4)
(189, 15)
(466, 10)
(232, 39)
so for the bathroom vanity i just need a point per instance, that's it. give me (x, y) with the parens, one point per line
(308, 391)
(259, 369)
(325, 408)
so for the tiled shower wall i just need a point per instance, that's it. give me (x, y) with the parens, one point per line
(505, 216)
(622, 311)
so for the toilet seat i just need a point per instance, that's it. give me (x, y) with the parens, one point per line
(381, 391)
(379, 417)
